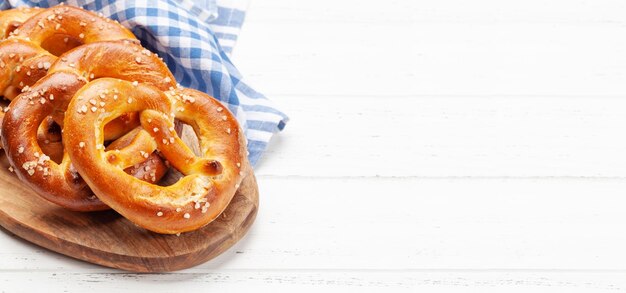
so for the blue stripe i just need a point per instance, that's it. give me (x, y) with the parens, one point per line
(226, 36)
(230, 17)
(196, 60)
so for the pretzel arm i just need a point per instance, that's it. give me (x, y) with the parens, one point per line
(137, 151)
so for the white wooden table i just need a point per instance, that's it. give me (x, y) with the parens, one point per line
(446, 146)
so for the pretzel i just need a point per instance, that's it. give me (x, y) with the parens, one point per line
(151, 169)
(60, 183)
(11, 19)
(27, 57)
(50, 141)
(31, 48)
(209, 181)
(55, 44)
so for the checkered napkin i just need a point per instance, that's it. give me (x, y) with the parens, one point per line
(195, 42)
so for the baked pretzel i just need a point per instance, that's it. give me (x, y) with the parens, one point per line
(11, 19)
(31, 48)
(51, 143)
(60, 183)
(209, 181)
(151, 169)
(38, 35)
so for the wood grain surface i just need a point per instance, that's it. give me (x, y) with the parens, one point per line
(107, 239)
(495, 127)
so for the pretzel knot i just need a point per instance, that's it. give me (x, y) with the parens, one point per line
(37, 36)
(59, 182)
(209, 180)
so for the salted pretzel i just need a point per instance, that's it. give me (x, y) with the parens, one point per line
(38, 35)
(11, 19)
(209, 180)
(60, 183)
(51, 143)
(31, 47)
(151, 169)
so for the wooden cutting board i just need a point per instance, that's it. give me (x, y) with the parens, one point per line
(107, 239)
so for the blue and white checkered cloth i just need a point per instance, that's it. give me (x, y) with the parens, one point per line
(195, 41)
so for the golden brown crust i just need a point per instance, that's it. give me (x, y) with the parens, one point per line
(11, 19)
(102, 119)
(31, 48)
(151, 169)
(209, 181)
(60, 183)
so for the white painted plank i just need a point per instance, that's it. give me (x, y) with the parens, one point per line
(413, 224)
(398, 11)
(434, 59)
(498, 88)
(459, 136)
(316, 281)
